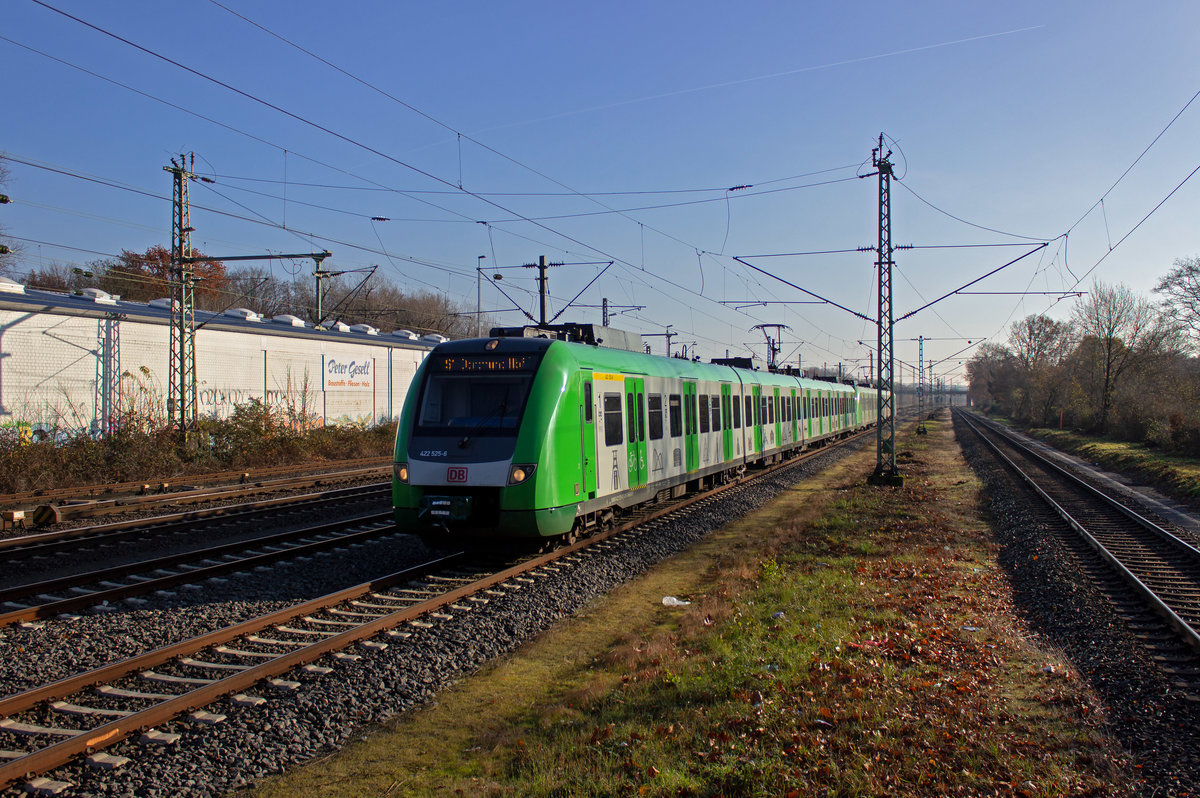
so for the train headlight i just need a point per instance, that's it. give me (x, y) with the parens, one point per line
(519, 473)
(400, 472)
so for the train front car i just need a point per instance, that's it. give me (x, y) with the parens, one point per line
(469, 447)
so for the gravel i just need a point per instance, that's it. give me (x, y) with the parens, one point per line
(327, 711)
(1150, 716)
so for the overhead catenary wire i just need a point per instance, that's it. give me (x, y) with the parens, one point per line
(458, 133)
(353, 142)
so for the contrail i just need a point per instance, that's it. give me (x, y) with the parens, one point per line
(771, 76)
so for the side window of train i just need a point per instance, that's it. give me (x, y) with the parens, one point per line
(704, 412)
(771, 410)
(587, 401)
(749, 411)
(631, 416)
(612, 419)
(675, 406)
(656, 419)
(715, 408)
(737, 414)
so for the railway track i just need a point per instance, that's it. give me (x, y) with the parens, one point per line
(31, 498)
(70, 506)
(68, 542)
(89, 712)
(97, 590)
(1149, 561)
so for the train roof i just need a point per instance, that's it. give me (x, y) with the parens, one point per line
(601, 358)
(94, 303)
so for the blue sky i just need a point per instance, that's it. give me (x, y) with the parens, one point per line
(1017, 117)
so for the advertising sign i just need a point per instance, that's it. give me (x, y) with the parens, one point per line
(344, 374)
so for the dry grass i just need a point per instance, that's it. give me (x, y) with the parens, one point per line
(845, 640)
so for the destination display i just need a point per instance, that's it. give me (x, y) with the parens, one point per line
(485, 364)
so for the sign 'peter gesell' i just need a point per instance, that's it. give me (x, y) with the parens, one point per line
(344, 374)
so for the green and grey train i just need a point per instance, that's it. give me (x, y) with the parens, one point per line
(534, 437)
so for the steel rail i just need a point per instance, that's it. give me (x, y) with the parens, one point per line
(38, 544)
(30, 498)
(108, 734)
(198, 574)
(52, 756)
(1182, 627)
(56, 513)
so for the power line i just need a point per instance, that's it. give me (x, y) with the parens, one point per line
(1136, 226)
(329, 131)
(623, 211)
(625, 264)
(455, 191)
(909, 189)
(1135, 163)
(973, 282)
(459, 134)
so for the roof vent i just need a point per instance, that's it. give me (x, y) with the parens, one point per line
(336, 326)
(99, 296)
(8, 286)
(288, 318)
(364, 328)
(166, 303)
(407, 335)
(243, 313)
(434, 338)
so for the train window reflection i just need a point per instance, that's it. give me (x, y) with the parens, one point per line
(612, 419)
(656, 416)
(475, 404)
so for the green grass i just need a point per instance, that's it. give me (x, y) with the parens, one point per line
(843, 641)
(1175, 474)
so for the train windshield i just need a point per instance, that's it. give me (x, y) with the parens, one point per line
(473, 404)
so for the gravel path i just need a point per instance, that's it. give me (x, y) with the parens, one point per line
(328, 710)
(1147, 713)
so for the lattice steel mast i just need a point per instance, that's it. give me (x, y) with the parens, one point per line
(182, 408)
(108, 372)
(181, 391)
(921, 430)
(885, 461)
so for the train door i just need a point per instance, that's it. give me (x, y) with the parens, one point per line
(756, 392)
(612, 465)
(587, 425)
(690, 428)
(793, 425)
(778, 408)
(635, 415)
(727, 420)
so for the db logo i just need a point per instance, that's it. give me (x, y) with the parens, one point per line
(456, 474)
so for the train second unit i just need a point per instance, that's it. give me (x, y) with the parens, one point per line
(535, 437)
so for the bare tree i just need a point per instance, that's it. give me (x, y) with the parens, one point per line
(991, 375)
(1181, 295)
(1119, 330)
(56, 276)
(255, 287)
(1040, 347)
